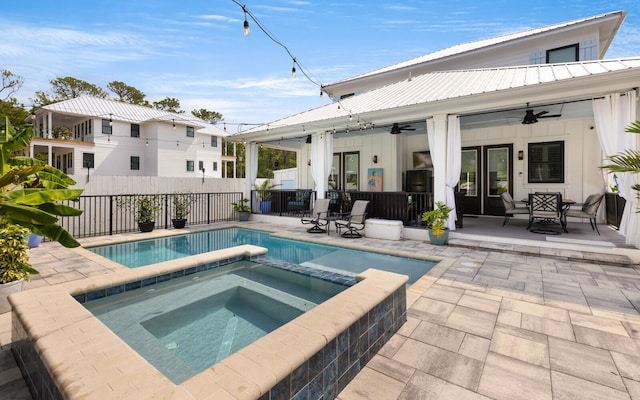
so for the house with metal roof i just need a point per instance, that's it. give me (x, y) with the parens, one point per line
(533, 111)
(96, 136)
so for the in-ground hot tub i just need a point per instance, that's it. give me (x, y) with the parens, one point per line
(64, 351)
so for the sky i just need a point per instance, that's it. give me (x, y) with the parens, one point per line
(195, 50)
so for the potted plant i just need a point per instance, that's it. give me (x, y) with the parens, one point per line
(30, 195)
(264, 194)
(243, 209)
(145, 207)
(436, 220)
(181, 208)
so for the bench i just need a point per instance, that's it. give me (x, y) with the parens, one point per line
(383, 229)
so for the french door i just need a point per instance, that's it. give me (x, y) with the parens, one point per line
(471, 179)
(498, 177)
(345, 171)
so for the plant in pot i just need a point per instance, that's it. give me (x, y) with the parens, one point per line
(30, 196)
(181, 208)
(145, 207)
(243, 209)
(436, 220)
(264, 194)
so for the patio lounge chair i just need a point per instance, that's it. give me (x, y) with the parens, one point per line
(317, 217)
(589, 210)
(354, 223)
(510, 208)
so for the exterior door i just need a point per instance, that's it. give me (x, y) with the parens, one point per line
(470, 179)
(498, 177)
(345, 171)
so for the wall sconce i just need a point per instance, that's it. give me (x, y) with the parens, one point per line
(520, 155)
(374, 159)
(309, 163)
(308, 141)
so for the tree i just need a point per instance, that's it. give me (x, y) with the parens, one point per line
(11, 83)
(169, 104)
(627, 160)
(211, 117)
(67, 88)
(16, 112)
(128, 94)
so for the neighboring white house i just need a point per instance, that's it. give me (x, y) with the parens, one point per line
(490, 116)
(95, 136)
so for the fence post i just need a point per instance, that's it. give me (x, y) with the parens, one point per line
(166, 211)
(208, 208)
(110, 215)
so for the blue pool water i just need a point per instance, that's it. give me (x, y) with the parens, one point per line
(332, 258)
(185, 325)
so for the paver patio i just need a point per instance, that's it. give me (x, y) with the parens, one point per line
(489, 322)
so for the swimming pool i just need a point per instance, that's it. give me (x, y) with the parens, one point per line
(185, 325)
(323, 257)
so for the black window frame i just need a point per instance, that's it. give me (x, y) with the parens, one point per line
(190, 131)
(534, 161)
(134, 163)
(214, 141)
(88, 160)
(135, 130)
(107, 129)
(200, 165)
(576, 54)
(190, 165)
(215, 165)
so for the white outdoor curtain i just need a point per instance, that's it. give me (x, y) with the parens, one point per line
(321, 160)
(251, 166)
(454, 160)
(612, 115)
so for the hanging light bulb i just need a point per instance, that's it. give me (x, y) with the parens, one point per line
(146, 142)
(225, 126)
(174, 123)
(246, 23)
(293, 69)
(110, 120)
(177, 143)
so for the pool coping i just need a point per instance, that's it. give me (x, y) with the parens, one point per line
(70, 341)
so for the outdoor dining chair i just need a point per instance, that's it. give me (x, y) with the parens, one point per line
(317, 217)
(589, 210)
(545, 209)
(510, 208)
(354, 223)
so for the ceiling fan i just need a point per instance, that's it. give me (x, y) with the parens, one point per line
(531, 117)
(397, 128)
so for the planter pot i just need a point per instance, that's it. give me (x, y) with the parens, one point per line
(179, 223)
(265, 206)
(146, 226)
(439, 241)
(244, 215)
(5, 290)
(34, 240)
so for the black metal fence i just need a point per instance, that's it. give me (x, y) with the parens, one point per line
(112, 214)
(404, 206)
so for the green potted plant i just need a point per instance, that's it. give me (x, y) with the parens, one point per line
(30, 196)
(264, 194)
(243, 209)
(181, 208)
(436, 220)
(145, 207)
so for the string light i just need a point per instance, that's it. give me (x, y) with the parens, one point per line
(110, 119)
(174, 123)
(146, 142)
(246, 23)
(293, 69)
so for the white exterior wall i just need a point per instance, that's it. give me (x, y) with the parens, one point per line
(101, 185)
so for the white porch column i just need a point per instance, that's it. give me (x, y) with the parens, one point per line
(437, 136)
(49, 156)
(251, 167)
(49, 125)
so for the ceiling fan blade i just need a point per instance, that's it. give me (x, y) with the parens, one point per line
(541, 113)
(550, 116)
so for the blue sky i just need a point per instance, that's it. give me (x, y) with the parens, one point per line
(195, 51)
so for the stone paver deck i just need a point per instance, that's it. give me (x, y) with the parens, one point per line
(490, 322)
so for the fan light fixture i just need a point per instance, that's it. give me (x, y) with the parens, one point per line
(529, 118)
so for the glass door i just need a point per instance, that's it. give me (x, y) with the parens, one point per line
(351, 171)
(470, 179)
(499, 175)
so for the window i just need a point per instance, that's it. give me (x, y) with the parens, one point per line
(214, 141)
(106, 127)
(200, 165)
(135, 163)
(135, 130)
(189, 165)
(190, 131)
(563, 54)
(70, 160)
(87, 160)
(546, 162)
(215, 165)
